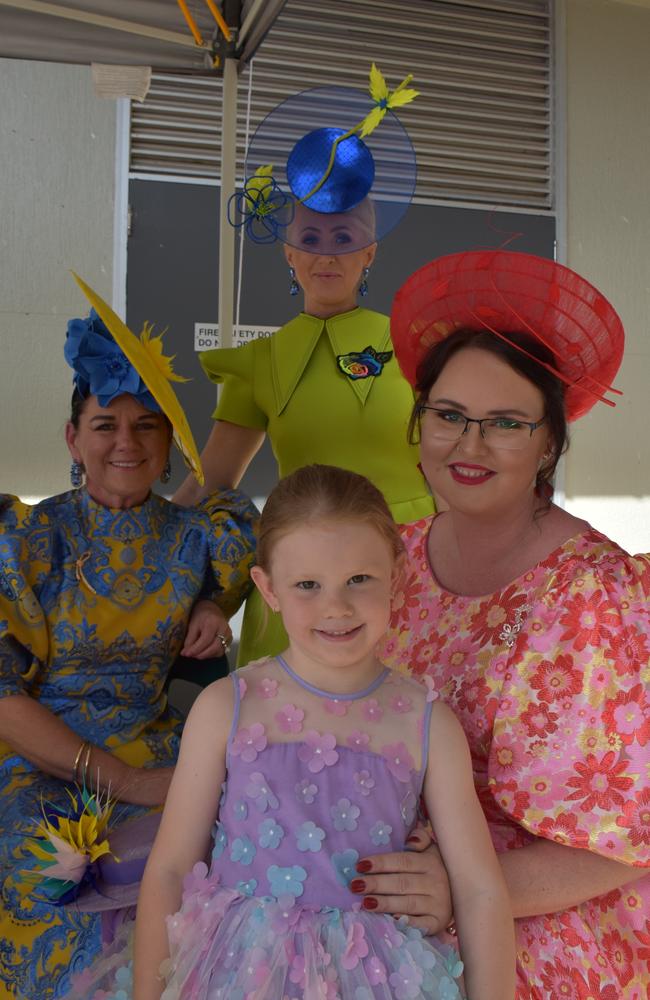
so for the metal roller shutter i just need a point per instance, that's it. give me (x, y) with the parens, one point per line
(481, 127)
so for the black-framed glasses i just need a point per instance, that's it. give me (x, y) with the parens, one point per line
(499, 432)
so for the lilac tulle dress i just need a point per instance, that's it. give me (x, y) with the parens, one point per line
(315, 782)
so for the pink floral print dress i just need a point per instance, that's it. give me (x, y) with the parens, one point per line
(550, 678)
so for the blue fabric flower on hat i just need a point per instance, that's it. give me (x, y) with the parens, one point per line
(100, 367)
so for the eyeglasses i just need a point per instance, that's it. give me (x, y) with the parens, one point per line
(499, 432)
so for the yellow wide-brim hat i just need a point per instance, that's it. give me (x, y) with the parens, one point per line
(155, 370)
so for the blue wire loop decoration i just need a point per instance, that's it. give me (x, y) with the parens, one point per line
(263, 210)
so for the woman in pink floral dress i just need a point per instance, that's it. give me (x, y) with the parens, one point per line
(533, 626)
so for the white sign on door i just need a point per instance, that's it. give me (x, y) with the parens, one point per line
(207, 338)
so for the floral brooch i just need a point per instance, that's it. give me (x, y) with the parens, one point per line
(363, 364)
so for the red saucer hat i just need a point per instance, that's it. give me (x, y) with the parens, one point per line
(507, 292)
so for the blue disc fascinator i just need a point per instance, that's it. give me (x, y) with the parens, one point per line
(330, 170)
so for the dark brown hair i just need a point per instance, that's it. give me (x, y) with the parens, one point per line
(551, 387)
(78, 402)
(318, 492)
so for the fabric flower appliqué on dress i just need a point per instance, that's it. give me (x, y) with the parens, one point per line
(375, 971)
(398, 760)
(335, 707)
(259, 790)
(380, 833)
(243, 850)
(268, 687)
(345, 815)
(318, 751)
(220, 841)
(270, 833)
(344, 863)
(286, 881)
(406, 981)
(306, 791)
(401, 703)
(372, 711)
(309, 837)
(365, 782)
(247, 888)
(290, 718)
(249, 742)
(240, 809)
(358, 740)
(356, 946)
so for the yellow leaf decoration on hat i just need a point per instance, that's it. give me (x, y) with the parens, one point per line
(384, 99)
(153, 347)
(259, 188)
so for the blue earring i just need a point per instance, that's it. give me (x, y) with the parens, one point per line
(363, 287)
(166, 473)
(294, 287)
(76, 474)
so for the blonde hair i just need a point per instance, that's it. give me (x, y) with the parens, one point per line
(363, 215)
(320, 492)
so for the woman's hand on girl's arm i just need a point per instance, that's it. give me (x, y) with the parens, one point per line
(411, 883)
(480, 898)
(183, 838)
(228, 452)
(208, 632)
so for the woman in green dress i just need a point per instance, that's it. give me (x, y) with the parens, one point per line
(325, 387)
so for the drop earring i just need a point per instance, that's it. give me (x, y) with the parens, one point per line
(166, 473)
(363, 287)
(76, 474)
(294, 287)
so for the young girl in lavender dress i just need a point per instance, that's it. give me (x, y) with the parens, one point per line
(324, 753)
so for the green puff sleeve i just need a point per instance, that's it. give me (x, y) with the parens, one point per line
(231, 522)
(234, 368)
(23, 627)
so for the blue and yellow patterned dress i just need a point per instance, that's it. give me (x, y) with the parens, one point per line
(94, 605)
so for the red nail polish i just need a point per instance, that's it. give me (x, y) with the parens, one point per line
(370, 903)
(363, 867)
(357, 885)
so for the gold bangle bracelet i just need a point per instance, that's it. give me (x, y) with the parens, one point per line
(86, 763)
(75, 766)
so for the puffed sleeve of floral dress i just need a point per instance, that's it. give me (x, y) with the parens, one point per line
(570, 752)
(23, 627)
(230, 519)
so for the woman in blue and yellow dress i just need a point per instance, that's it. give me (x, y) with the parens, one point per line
(100, 589)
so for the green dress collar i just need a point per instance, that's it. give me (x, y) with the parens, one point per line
(293, 345)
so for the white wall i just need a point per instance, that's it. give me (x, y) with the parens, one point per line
(57, 155)
(608, 230)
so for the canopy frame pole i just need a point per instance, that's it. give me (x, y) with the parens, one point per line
(228, 183)
(104, 21)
